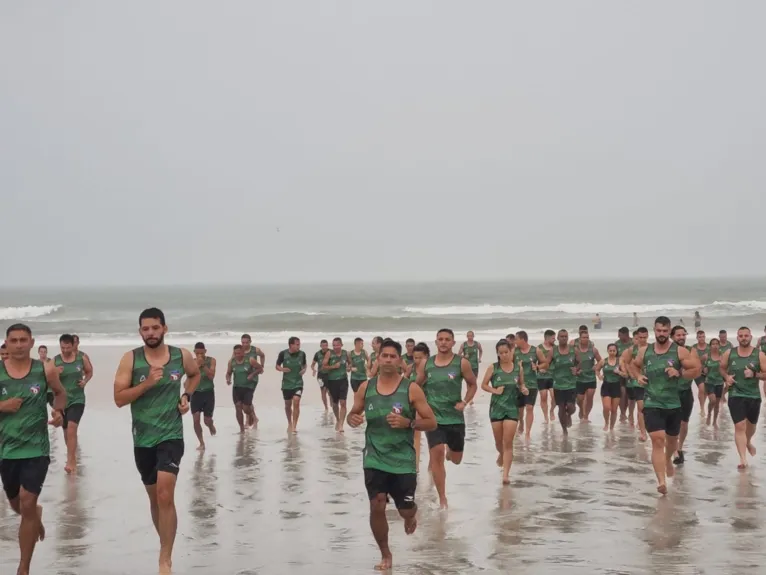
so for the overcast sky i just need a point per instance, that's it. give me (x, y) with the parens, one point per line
(165, 142)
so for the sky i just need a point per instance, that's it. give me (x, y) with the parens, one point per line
(156, 143)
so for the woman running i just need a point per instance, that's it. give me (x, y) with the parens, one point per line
(504, 380)
(608, 371)
(713, 380)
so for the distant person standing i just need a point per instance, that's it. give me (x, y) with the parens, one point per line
(149, 380)
(291, 362)
(697, 320)
(203, 398)
(635, 319)
(597, 322)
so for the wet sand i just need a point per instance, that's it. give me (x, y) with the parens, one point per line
(268, 503)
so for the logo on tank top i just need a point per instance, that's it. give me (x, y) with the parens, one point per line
(451, 375)
(5, 392)
(78, 368)
(35, 389)
(175, 375)
(142, 379)
(397, 408)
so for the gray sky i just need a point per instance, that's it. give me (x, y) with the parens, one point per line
(164, 142)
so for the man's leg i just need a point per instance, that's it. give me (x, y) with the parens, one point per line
(198, 430)
(296, 409)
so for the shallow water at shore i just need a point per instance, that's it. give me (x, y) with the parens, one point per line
(268, 503)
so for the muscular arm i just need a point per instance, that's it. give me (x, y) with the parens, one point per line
(87, 368)
(636, 365)
(470, 380)
(358, 407)
(229, 371)
(420, 374)
(257, 366)
(209, 371)
(762, 364)
(596, 354)
(59, 394)
(261, 356)
(124, 394)
(192, 372)
(280, 361)
(542, 361)
(481, 351)
(723, 366)
(690, 363)
(425, 419)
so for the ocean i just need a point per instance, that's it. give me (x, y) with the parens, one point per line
(271, 314)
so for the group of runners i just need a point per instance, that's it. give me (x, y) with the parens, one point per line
(397, 393)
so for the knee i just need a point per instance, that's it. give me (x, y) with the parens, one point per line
(342, 403)
(378, 504)
(165, 497)
(296, 402)
(27, 504)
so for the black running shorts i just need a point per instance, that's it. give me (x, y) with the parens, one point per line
(290, 394)
(28, 474)
(338, 389)
(687, 404)
(165, 457)
(452, 435)
(401, 487)
(73, 413)
(204, 402)
(667, 420)
(243, 395)
(564, 396)
(611, 389)
(742, 408)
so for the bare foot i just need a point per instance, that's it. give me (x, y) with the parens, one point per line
(707, 421)
(410, 525)
(662, 489)
(166, 566)
(506, 481)
(41, 533)
(443, 504)
(201, 447)
(212, 429)
(631, 423)
(606, 427)
(385, 563)
(528, 436)
(715, 425)
(742, 465)
(290, 429)
(751, 449)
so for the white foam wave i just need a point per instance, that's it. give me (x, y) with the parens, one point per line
(27, 311)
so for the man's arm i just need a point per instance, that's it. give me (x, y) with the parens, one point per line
(124, 394)
(762, 364)
(425, 419)
(257, 367)
(280, 361)
(59, 394)
(261, 356)
(596, 354)
(192, 372)
(304, 363)
(470, 380)
(87, 368)
(723, 368)
(209, 371)
(229, 371)
(690, 363)
(326, 362)
(542, 360)
(356, 413)
(481, 351)
(636, 365)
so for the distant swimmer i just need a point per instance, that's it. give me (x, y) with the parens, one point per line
(25, 447)
(563, 367)
(741, 368)
(697, 320)
(75, 371)
(663, 364)
(149, 380)
(597, 321)
(337, 365)
(530, 359)
(360, 364)
(442, 380)
(587, 356)
(544, 376)
(203, 398)
(678, 335)
(623, 342)
(635, 391)
(3, 352)
(291, 362)
(242, 374)
(713, 380)
(394, 409)
(701, 348)
(608, 371)
(504, 380)
(318, 371)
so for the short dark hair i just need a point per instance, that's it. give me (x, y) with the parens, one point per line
(237, 346)
(623, 331)
(549, 333)
(522, 335)
(510, 336)
(446, 330)
(582, 328)
(246, 335)
(377, 339)
(292, 340)
(337, 339)
(152, 313)
(562, 331)
(663, 321)
(65, 338)
(410, 340)
(635, 332)
(18, 327)
(357, 340)
(701, 332)
(722, 331)
(45, 347)
(199, 345)
(641, 330)
(323, 341)
(744, 327)
(422, 348)
(391, 344)
(676, 328)
(614, 345)
(76, 337)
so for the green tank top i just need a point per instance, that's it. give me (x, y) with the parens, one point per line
(373, 357)
(318, 359)
(385, 448)
(713, 376)
(340, 372)
(240, 373)
(527, 360)
(744, 386)
(701, 352)
(586, 361)
(294, 362)
(609, 375)
(763, 344)
(544, 374)
(205, 383)
(155, 414)
(252, 353)
(471, 353)
(684, 384)
(443, 388)
(359, 361)
(505, 406)
(408, 359)
(562, 365)
(621, 347)
(634, 355)
(24, 434)
(724, 347)
(71, 375)
(662, 391)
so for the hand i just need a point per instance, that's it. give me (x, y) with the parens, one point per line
(200, 361)
(672, 372)
(498, 390)
(155, 374)
(313, 372)
(57, 419)
(355, 419)
(12, 405)
(183, 404)
(397, 421)
(573, 370)
(534, 367)
(524, 390)
(729, 381)
(642, 381)
(228, 381)
(353, 370)
(460, 405)
(286, 370)
(82, 383)
(749, 373)
(60, 368)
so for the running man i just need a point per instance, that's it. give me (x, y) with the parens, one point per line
(75, 371)
(360, 364)
(3, 352)
(42, 353)
(337, 366)
(25, 447)
(587, 356)
(394, 408)
(252, 351)
(713, 380)
(504, 380)
(471, 350)
(530, 359)
(741, 368)
(203, 398)
(608, 371)
(442, 380)
(544, 378)
(149, 380)
(636, 393)
(408, 357)
(663, 364)
(724, 339)
(702, 350)
(318, 371)
(77, 346)
(376, 343)
(563, 366)
(623, 342)
(243, 372)
(678, 335)
(420, 354)
(291, 362)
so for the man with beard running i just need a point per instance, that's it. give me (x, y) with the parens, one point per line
(635, 392)
(563, 365)
(442, 380)
(663, 364)
(741, 368)
(318, 371)
(544, 377)
(203, 398)
(530, 358)
(587, 358)
(678, 335)
(75, 371)
(394, 408)
(702, 350)
(292, 363)
(149, 380)
(25, 447)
